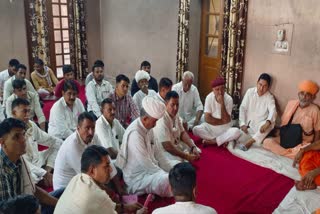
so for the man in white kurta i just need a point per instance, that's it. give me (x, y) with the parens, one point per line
(97, 90)
(20, 74)
(145, 169)
(173, 140)
(190, 105)
(165, 85)
(20, 91)
(217, 128)
(142, 78)
(68, 159)
(257, 112)
(65, 112)
(34, 137)
(108, 129)
(6, 74)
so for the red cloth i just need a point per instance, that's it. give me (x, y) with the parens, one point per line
(59, 87)
(217, 82)
(309, 162)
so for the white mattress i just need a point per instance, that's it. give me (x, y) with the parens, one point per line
(258, 155)
(295, 202)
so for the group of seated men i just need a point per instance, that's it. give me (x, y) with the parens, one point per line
(142, 138)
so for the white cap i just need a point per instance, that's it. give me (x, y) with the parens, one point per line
(153, 107)
(141, 74)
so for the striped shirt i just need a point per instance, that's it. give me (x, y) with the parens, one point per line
(126, 109)
(10, 177)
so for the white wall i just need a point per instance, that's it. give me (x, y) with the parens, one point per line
(137, 30)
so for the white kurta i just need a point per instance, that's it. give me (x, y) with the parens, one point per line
(138, 97)
(35, 106)
(160, 98)
(4, 76)
(83, 196)
(169, 130)
(96, 94)
(68, 161)
(189, 103)
(110, 137)
(188, 207)
(34, 137)
(145, 169)
(222, 133)
(8, 88)
(256, 110)
(63, 120)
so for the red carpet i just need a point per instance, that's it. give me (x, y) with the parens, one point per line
(228, 183)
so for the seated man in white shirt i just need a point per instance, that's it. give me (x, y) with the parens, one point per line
(67, 163)
(20, 74)
(85, 192)
(165, 85)
(183, 183)
(64, 113)
(34, 137)
(173, 140)
(217, 128)
(6, 74)
(190, 105)
(97, 90)
(20, 91)
(108, 129)
(145, 169)
(257, 113)
(90, 75)
(142, 78)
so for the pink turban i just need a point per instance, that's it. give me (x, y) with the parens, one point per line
(217, 82)
(308, 86)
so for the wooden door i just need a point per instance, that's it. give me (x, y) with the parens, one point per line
(210, 44)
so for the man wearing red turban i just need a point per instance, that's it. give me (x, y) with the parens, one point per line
(217, 128)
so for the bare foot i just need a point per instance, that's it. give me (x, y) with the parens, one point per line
(301, 187)
(208, 142)
(249, 143)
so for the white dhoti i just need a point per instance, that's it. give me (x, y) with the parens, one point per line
(43, 92)
(156, 183)
(222, 133)
(254, 132)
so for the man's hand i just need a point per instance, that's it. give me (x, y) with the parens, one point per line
(244, 128)
(185, 126)
(298, 157)
(264, 128)
(132, 208)
(47, 180)
(220, 99)
(308, 179)
(196, 122)
(191, 157)
(143, 210)
(195, 151)
(43, 126)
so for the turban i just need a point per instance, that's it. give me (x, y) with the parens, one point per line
(153, 107)
(141, 74)
(309, 86)
(217, 82)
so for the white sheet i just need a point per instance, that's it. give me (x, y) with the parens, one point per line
(298, 202)
(258, 155)
(295, 202)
